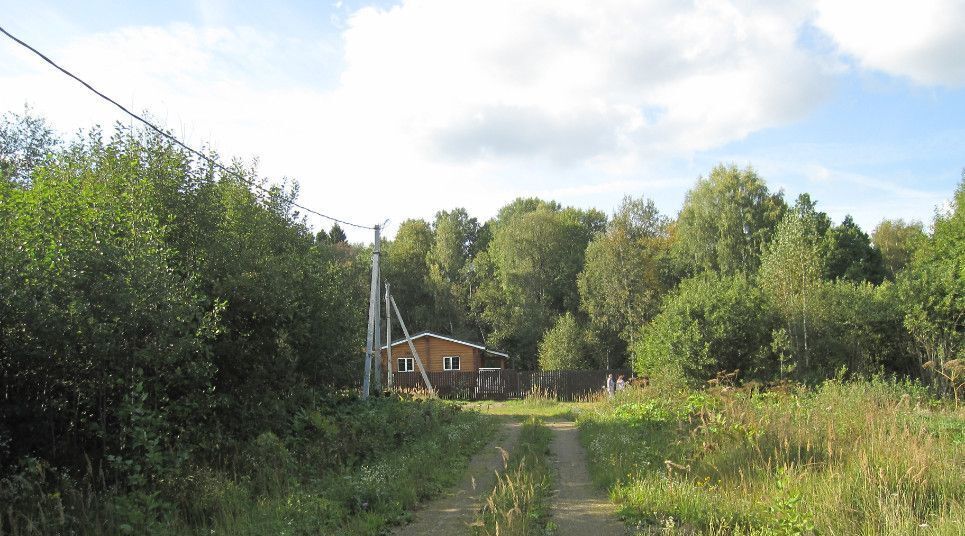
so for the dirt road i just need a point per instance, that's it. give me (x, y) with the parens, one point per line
(452, 513)
(578, 507)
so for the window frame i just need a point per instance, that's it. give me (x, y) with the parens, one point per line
(447, 363)
(409, 361)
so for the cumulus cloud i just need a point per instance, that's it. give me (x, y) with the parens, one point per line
(581, 81)
(442, 103)
(921, 40)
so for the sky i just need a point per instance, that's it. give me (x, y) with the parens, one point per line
(396, 110)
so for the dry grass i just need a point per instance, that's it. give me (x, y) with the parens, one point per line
(846, 458)
(518, 503)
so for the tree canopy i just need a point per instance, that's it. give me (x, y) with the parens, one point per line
(527, 275)
(791, 273)
(852, 256)
(897, 241)
(568, 345)
(623, 273)
(726, 220)
(933, 292)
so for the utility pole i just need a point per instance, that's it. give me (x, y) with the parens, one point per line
(377, 336)
(388, 337)
(373, 313)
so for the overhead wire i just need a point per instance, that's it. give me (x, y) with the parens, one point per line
(170, 137)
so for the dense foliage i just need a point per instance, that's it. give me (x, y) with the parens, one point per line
(340, 466)
(739, 281)
(711, 323)
(897, 241)
(933, 292)
(569, 345)
(626, 269)
(725, 222)
(154, 313)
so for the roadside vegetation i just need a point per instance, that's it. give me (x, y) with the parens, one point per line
(178, 351)
(344, 467)
(519, 503)
(862, 457)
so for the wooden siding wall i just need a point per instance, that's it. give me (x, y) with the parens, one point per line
(432, 350)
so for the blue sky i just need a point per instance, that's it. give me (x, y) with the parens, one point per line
(394, 110)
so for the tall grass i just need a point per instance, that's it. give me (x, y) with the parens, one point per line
(540, 403)
(846, 458)
(518, 504)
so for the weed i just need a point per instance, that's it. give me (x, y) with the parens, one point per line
(869, 457)
(351, 469)
(517, 506)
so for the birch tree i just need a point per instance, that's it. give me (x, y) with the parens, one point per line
(621, 284)
(726, 220)
(791, 271)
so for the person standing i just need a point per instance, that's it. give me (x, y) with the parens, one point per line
(620, 383)
(610, 385)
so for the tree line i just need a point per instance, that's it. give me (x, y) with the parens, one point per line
(739, 280)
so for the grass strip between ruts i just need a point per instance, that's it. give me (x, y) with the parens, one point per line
(518, 504)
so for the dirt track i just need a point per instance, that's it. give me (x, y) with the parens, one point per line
(578, 507)
(452, 513)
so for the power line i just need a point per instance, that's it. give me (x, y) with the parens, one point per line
(176, 141)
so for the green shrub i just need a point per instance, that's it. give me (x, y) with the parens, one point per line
(710, 324)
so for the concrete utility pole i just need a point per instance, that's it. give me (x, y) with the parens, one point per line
(388, 337)
(377, 336)
(373, 313)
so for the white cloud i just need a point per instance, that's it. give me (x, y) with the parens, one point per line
(444, 103)
(579, 81)
(921, 40)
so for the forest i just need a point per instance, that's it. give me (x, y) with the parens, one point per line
(739, 280)
(162, 321)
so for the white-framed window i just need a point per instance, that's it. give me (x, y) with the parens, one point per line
(406, 364)
(450, 363)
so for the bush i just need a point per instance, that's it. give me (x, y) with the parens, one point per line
(860, 328)
(711, 323)
(567, 346)
(152, 312)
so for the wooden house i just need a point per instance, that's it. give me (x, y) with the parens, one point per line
(443, 354)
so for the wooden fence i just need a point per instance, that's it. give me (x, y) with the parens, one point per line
(503, 384)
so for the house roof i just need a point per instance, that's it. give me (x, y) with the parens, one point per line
(450, 339)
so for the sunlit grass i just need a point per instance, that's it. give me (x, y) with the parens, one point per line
(846, 458)
(525, 408)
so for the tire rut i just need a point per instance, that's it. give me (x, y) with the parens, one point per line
(578, 507)
(452, 513)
